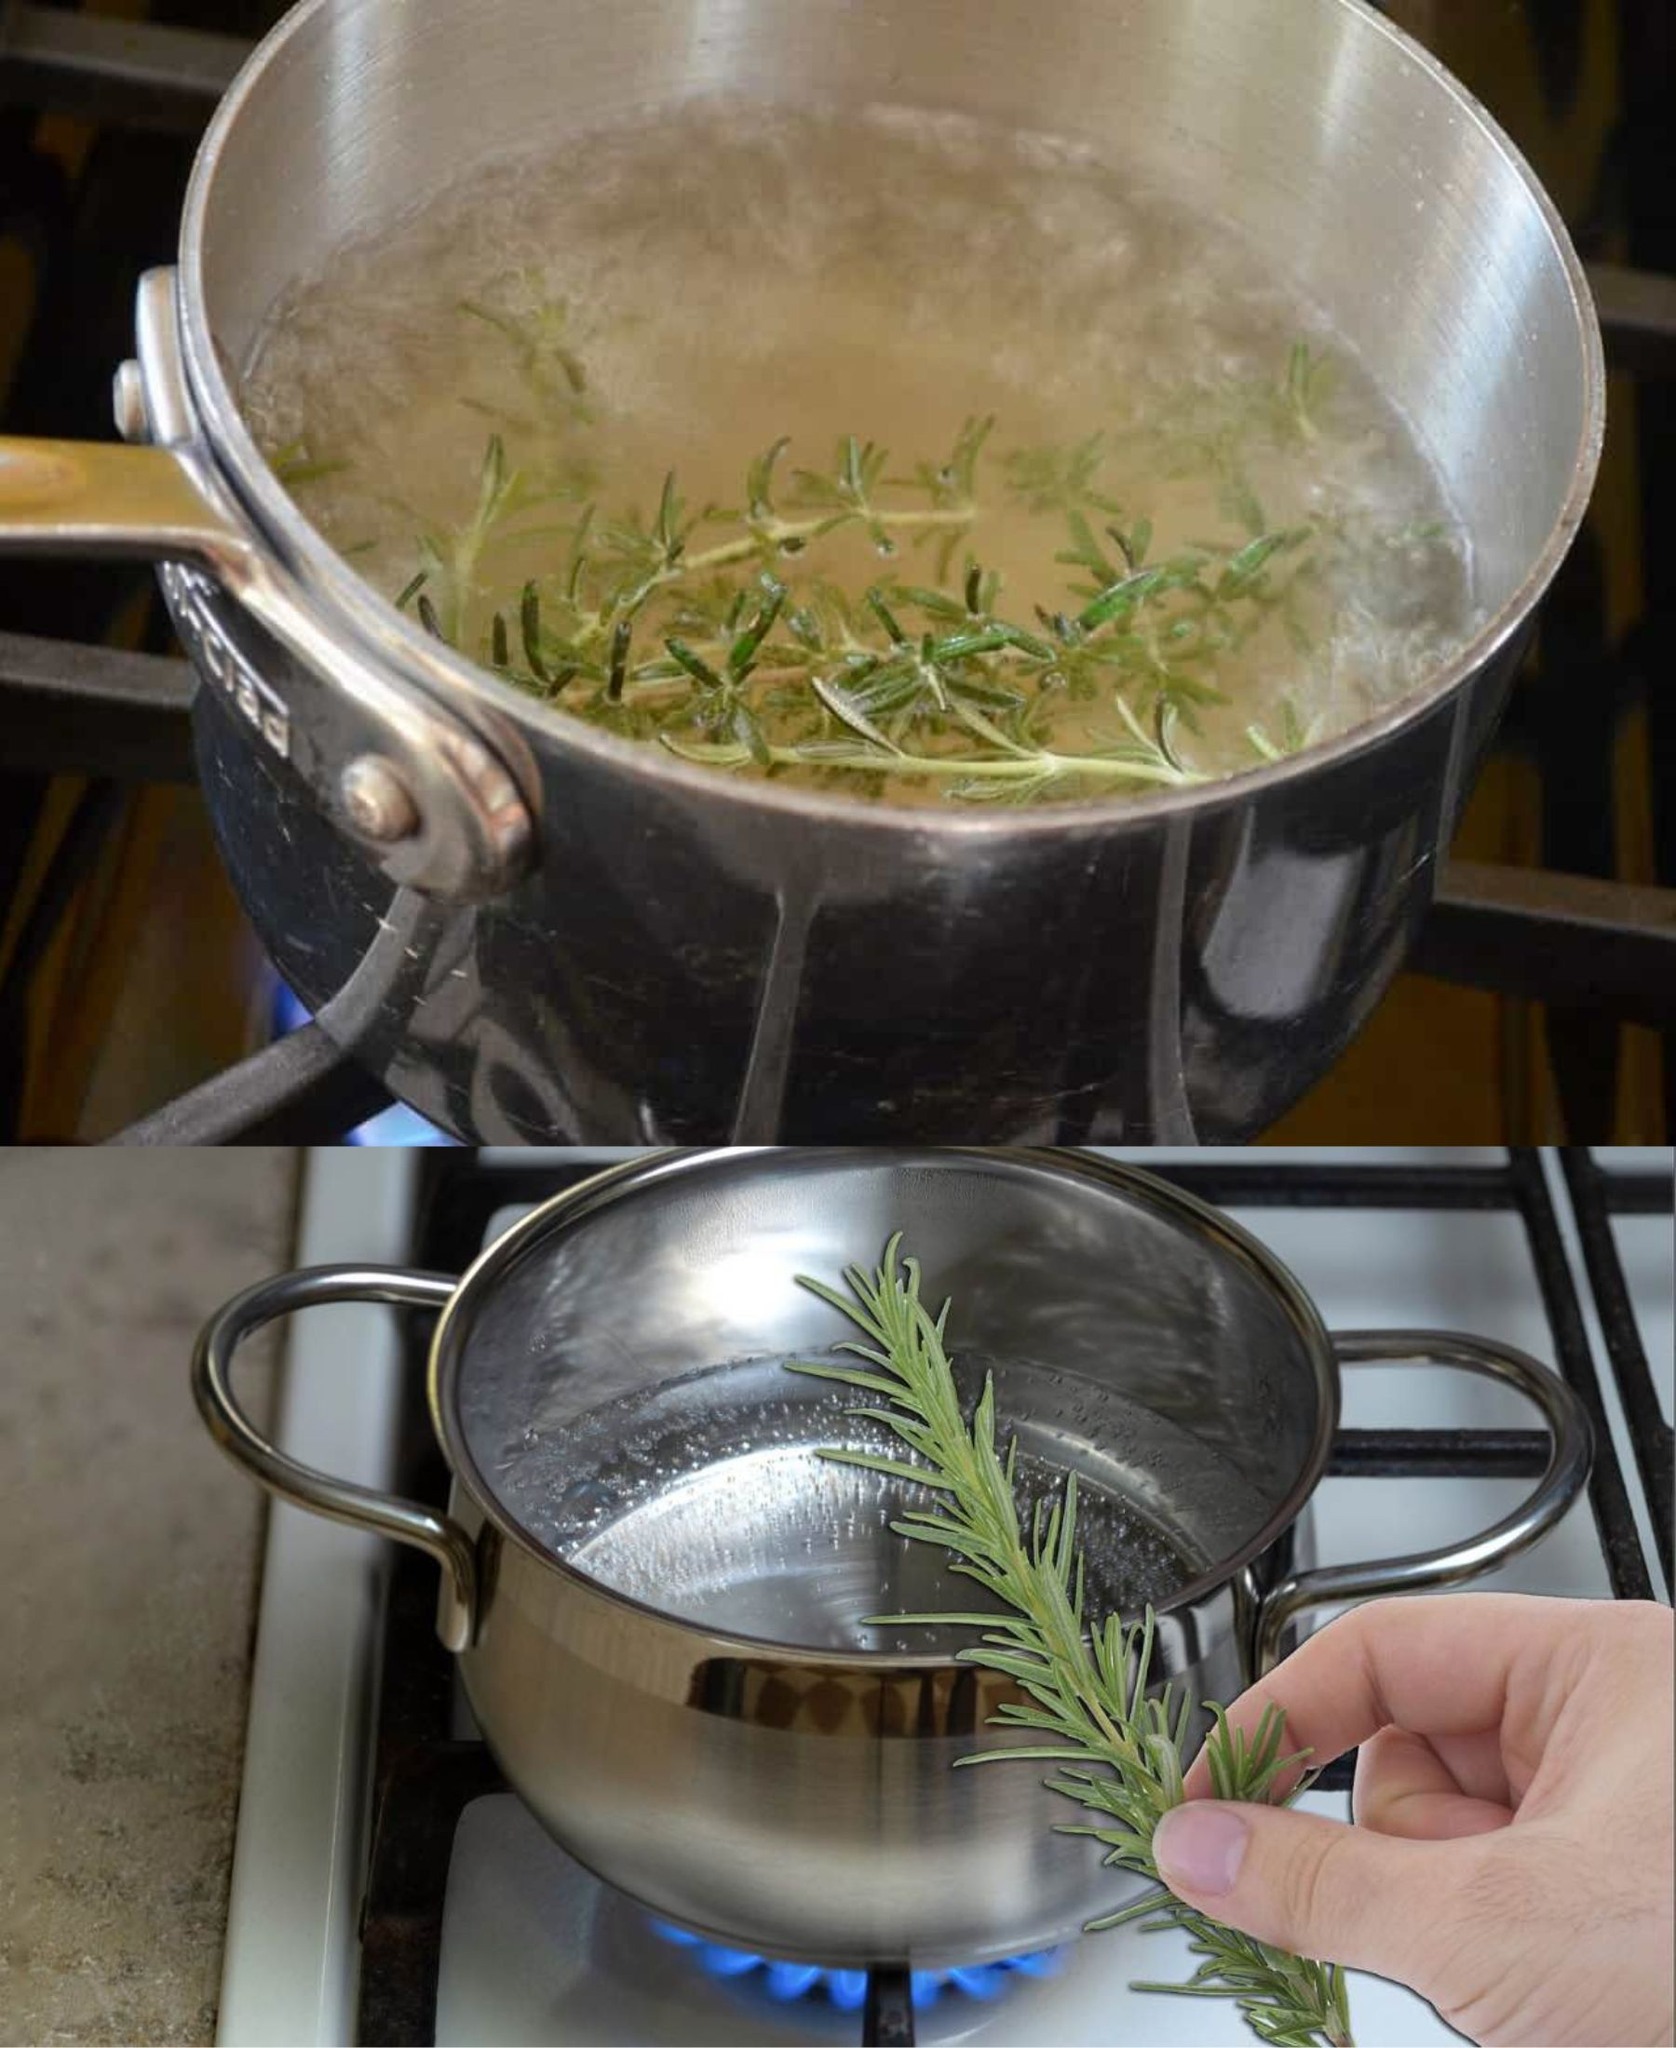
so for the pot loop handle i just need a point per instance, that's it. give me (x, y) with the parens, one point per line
(341, 1500)
(1570, 1448)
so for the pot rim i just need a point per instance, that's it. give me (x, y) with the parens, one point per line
(347, 605)
(572, 1206)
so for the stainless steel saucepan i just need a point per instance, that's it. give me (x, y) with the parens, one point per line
(532, 930)
(659, 1593)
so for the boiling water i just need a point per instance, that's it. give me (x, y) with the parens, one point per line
(678, 298)
(707, 1497)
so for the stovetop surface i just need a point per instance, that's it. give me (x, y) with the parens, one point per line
(536, 1952)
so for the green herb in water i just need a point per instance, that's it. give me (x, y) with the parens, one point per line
(955, 695)
(1116, 1748)
(711, 630)
(1040, 488)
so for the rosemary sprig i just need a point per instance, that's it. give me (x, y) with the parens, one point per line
(1214, 433)
(1011, 773)
(1061, 479)
(541, 349)
(452, 562)
(869, 684)
(924, 677)
(1116, 1746)
(1294, 735)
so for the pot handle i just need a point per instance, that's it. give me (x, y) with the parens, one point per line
(1570, 1448)
(340, 1500)
(103, 498)
(426, 796)
(439, 791)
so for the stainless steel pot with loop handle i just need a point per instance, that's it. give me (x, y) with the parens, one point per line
(659, 1592)
(532, 929)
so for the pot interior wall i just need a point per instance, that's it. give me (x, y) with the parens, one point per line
(619, 1388)
(1332, 144)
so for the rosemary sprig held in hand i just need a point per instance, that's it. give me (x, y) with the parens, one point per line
(1115, 1747)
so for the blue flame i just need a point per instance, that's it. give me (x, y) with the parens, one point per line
(847, 1989)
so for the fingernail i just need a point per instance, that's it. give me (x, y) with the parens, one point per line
(1199, 1848)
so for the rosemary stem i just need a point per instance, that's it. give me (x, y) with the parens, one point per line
(776, 533)
(782, 530)
(1023, 768)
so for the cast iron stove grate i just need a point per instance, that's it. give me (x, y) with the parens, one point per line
(425, 1779)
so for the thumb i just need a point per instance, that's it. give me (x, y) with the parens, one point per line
(1316, 1887)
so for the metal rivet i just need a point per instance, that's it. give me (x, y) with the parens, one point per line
(133, 422)
(377, 800)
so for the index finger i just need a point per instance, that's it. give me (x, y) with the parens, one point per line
(1439, 1665)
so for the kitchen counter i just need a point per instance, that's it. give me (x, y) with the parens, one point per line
(131, 1551)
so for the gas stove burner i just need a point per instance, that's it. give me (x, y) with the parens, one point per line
(847, 1989)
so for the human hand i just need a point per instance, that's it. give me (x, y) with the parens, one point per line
(1512, 1857)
